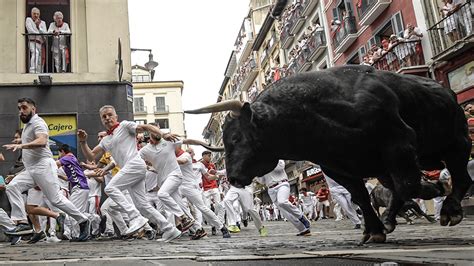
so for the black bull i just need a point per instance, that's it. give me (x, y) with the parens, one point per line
(355, 122)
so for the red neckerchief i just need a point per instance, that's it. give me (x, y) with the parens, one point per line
(179, 153)
(194, 161)
(111, 130)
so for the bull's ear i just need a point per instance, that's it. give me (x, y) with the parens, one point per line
(261, 113)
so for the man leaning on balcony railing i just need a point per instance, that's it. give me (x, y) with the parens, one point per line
(413, 33)
(59, 47)
(34, 25)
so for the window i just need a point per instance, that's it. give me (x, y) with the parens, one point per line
(138, 105)
(160, 104)
(141, 121)
(163, 123)
(397, 24)
(44, 52)
(355, 59)
(361, 53)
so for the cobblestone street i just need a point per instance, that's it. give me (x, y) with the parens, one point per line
(330, 242)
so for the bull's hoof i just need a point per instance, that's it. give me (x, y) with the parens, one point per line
(377, 238)
(364, 239)
(451, 212)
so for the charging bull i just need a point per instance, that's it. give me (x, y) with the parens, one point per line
(355, 122)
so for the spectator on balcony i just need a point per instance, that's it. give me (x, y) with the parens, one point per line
(59, 46)
(366, 60)
(449, 22)
(411, 35)
(34, 25)
(464, 15)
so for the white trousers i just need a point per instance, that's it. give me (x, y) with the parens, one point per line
(80, 198)
(5, 221)
(35, 57)
(246, 202)
(113, 213)
(194, 195)
(279, 195)
(438, 204)
(43, 174)
(132, 178)
(343, 197)
(170, 197)
(93, 202)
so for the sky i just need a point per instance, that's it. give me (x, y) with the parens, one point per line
(192, 41)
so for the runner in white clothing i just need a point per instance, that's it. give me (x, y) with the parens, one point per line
(279, 192)
(121, 142)
(190, 190)
(343, 197)
(160, 153)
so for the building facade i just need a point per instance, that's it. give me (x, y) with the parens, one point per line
(95, 67)
(158, 101)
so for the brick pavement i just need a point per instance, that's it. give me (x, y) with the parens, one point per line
(329, 239)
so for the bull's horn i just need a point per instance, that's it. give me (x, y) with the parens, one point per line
(230, 105)
(204, 144)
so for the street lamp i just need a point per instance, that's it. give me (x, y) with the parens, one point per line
(151, 64)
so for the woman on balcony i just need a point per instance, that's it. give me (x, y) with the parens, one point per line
(449, 22)
(59, 47)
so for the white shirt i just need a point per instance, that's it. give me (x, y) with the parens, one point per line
(31, 28)
(414, 36)
(187, 169)
(308, 199)
(199, 169)
(35, 126)
(59, 41)
(122, 144)
(278, 174)
(151, 180)
(333, 185)
(94, 186)
(162, 157)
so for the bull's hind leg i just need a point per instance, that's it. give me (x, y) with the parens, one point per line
(456, 162)
(374, 229)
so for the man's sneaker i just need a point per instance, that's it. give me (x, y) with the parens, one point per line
(15, 240)
(200, 233)
(306, 232)
(136, 224)
(245, 222)
(186, 223)
(233, 229)
(305, 221)
(20, 230)
(263, 231)
(225, 232)
(214, 231)
(60, 222)
(170, 235)
(53, 239)
(85, 232)
(150, 234)
(37, 237)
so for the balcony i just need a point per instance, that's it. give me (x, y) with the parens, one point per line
(369, 10)
(316, 45)
(404, 57)
(301, 63)
(245, 40)
(308, 6)
(268, 49)
(286, 38)
(296, 20)
(246, 74)
(48, 53)
(140, 110)
(164, 109)
(453, 35)
(344, 35)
